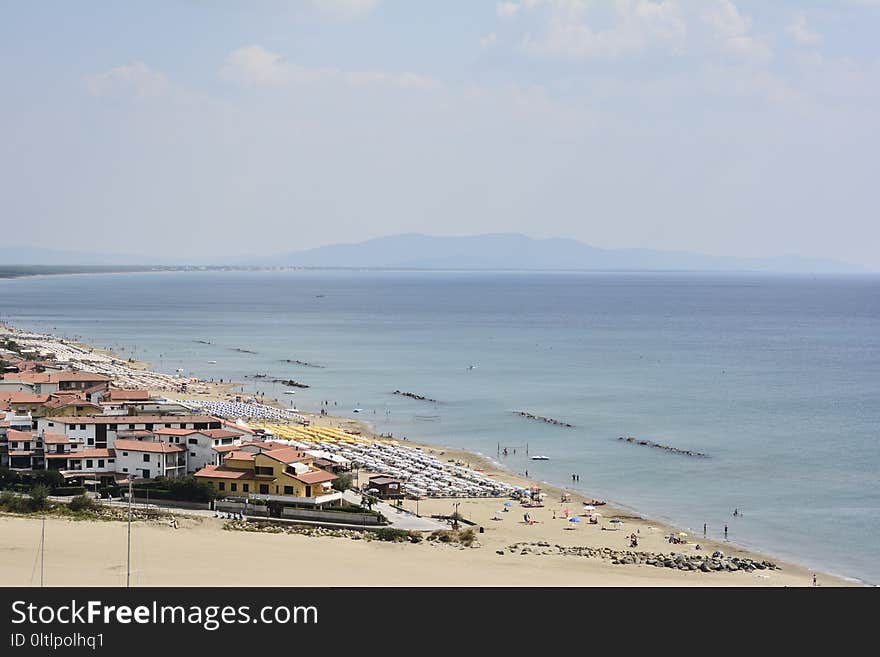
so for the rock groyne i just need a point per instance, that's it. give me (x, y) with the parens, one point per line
(668, 448)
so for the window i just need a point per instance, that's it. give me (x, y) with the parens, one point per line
(233, 487)
(221, 486)
(201, 425)
(125, 454)
(246, 487)
(146, 458)
(193, 441)
(111, 460)
(125, 469)
(111, 427)
(263, 470)
(91, 441)
(89, 463)
(264, 489)
(149, 427)
(288, 490)
(100, 463)
(192, 453)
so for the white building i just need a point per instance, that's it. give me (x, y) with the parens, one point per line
(203, 445)
(149, 458)
(101, 431)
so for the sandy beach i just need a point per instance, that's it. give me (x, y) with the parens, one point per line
(201, 552)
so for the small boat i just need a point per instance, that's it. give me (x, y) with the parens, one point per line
(290, 392)
(540, 458)
(212, 362)
(358, 410)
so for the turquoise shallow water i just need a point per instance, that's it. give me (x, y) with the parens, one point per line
(776, 378)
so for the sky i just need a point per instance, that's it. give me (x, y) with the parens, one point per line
(726, 127)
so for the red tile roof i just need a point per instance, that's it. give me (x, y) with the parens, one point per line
(148, 446)
(15, 434)
(220, 433)
(118, 394)
(315, 477)
(218, 471)
(175, 432)
(55, 438)
(135, 419)
(240, 456)
(287, 455)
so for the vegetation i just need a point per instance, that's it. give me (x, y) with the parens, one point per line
(342, 482)
(183, 489)
(396, 535)
(466, 537)
(82, 503)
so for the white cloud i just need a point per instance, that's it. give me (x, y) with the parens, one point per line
(801, 32)
(489, 40)
(731, 31)
(507, 9)
(254, 66)
(135, 79)
(345, 9)
(635, 26)
(597, 29)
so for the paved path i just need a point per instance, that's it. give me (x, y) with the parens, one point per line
(399, 518)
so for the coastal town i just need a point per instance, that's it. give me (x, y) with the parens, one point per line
(88, 423)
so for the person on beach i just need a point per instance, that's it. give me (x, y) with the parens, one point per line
(725, 532)
(704, 530)
(815, 583)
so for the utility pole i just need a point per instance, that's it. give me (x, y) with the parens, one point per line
(42, 549)
(128, 562)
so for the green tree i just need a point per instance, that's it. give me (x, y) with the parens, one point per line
(342, 482)
(39, 497)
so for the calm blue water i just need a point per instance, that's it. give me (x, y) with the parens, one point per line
(776, 378)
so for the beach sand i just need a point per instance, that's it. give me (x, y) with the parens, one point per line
(201, 552)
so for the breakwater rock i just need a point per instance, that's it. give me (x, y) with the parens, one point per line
(668, 448)
(291, 383)
(413, 395)
(541, 418)
(716, 562)
(302, 363)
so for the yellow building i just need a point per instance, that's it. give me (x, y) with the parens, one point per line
(285, 473)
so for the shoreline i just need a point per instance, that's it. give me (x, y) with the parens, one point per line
(217, 391)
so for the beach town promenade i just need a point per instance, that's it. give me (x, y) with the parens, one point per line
(95, 421)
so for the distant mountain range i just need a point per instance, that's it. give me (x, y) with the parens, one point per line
(476, 252)
(513, 251)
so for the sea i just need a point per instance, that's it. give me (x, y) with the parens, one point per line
(775, 378)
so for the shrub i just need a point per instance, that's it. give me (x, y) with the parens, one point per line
(11, 502)
(82, 503)
(391, 534)
(342, 482)
(66, 491)
(39, 497)
(184, 489)
(8, 478)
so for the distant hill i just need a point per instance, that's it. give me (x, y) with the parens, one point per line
(513, 251)
(413, 251)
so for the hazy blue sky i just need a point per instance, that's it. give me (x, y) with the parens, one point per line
(718, 126)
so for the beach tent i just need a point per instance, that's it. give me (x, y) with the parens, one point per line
(574, 519)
